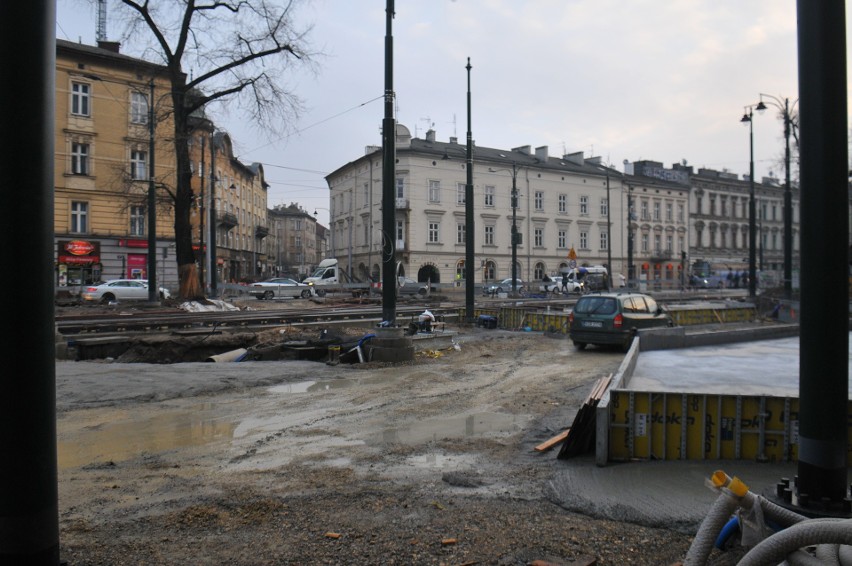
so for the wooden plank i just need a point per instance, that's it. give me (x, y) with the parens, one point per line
(548, 444)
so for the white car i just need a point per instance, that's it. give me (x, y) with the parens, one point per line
(505, 286)
(120, 290)
(278, 287)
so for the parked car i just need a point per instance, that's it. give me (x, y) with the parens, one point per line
(278, 287)
(505, 286)
(553, 284)
(408, 286)
(120, 290)
(614, 318)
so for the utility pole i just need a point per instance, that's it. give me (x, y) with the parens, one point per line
(389, 281)
(211, 266)
(153, 287)
(469, 229)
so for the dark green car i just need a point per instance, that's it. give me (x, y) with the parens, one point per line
(614, 318)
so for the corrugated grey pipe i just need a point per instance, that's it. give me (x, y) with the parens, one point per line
(733, 494)
(776, 548)
(720, 512)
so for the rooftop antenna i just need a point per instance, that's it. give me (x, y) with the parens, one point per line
(101, 32)
(454, 125)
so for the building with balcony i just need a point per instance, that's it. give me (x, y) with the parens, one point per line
(237, 195)
(562, 203)
(294, 249)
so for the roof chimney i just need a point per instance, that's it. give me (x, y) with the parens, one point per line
(430, 135)
(109, 45)
(525, 149)
(576, 158)
(541, 153)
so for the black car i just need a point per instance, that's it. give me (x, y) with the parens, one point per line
(614, 318)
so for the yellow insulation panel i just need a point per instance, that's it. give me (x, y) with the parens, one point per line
(688, 426)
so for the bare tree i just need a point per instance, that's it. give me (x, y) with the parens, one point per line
(234, 51)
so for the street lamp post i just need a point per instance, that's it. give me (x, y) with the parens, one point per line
(153, 288)
(630, 218)
(788, 191)
(514, 235)
(752, 268)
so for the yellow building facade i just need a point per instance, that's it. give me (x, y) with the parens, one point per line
(102, 166)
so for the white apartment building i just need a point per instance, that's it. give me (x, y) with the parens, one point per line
(563, 203)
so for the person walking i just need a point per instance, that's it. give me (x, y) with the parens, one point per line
(565, 282)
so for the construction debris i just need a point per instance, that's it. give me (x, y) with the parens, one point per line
(579, 438)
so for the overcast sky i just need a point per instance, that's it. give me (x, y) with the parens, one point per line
(621, 79)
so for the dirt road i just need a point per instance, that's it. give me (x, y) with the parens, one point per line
(430, 462)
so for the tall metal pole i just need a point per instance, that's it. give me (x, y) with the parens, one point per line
(629, 236)
(752, 228)
(823, 362)
(29, 518)
(514, 230)
(153, 287)
(469, 230)
(205, 261)
(389, 281)
(608, 237)
(213, 266)
(788, 208)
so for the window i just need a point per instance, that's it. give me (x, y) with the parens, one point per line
(400, 231)
(669, 211)
(539, 271)
(460, 189)
(137, 220)
(712, 206)
(539, 200)
(489, 235)
(138, 108)
(723, 202)
(460, 269)
(562, 239)
(138, 165)
(699, 236)
(297, 241)
(680, 213)
(538, 236)
(584, 205)
(81, 99)
(563, 204)
(644, 210)
(584, 240)
(434, 191)
(657, 215)
(366, 194)
(669, 243)
(489, 195)
(79, 217)
(79, 158)
(604, 240)
(680, 244)
(434, 232)
(644, 242)
(460, 232)
(400, 188)
(657, 243)
(604, 207)
(698, 204)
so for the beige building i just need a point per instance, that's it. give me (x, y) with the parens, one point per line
(103, 138)
(563, 203)
(294, 247)
(102, 157)
(236, 194)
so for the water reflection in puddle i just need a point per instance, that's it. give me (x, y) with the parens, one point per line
(477, 424)
(119, 440)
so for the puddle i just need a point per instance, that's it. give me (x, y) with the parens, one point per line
(477, 424)
(119, 440)
(329, 384)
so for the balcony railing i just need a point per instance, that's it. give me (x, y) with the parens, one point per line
(402, 204)
(261, 231)
(228, 220)
(659, 255)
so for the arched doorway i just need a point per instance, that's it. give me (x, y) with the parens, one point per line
(429, 273)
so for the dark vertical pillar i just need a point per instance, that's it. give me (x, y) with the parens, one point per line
(29, 518)
(469, 228)
(212, 223)
(389, 281)
(823, 367)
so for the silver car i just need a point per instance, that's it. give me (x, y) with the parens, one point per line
(278, 287)
(408, 286)
(120, 290)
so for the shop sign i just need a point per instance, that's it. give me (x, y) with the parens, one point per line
(79, 252)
